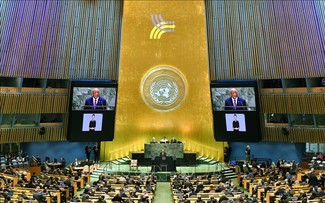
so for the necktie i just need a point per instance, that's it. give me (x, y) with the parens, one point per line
(94, 104)
(235, 103)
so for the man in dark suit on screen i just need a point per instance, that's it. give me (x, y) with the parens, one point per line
(92, 123)
(95, 101)
(234, 102)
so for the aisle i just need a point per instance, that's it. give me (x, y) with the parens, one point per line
(163, 193)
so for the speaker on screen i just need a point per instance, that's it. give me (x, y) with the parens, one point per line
(92, 111)
(235, 111)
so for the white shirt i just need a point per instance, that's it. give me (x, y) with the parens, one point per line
(164, 140)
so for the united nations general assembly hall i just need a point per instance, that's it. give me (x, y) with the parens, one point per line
(162, 101)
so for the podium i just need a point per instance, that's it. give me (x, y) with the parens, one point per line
(174, 151)
(153, 150)
(163, 164)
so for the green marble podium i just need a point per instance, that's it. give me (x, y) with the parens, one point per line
(173, 149)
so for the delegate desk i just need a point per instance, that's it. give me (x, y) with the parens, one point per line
(153, 150)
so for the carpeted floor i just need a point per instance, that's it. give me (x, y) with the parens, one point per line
(163, 193)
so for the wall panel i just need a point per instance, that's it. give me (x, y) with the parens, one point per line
(265, 39)
(60, 39)
(31, 135)
(293, 104)
(80, 40)
(33, 103)
(312, 135)
(184, 51)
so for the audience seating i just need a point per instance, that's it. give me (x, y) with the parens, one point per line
(109, 186)
(275, 181)
(17, 181)
(207, 186)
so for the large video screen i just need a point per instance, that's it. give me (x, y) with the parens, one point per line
(83, 99)
(92, 111)
(235, 111)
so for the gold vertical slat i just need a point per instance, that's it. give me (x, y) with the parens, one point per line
(296, 135)
(31, 135)
(33, 103)
(293, 104)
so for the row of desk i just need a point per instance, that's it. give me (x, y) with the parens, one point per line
(250, 187)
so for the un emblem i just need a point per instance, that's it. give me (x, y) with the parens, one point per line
(163, 88)
(164, 92)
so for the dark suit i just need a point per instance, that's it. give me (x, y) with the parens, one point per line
(235, 124)
(92, 125)
(96, 153)
(163, 155)
(223, 198)
(88, 152)
(312, 179)
(173, 141)
(248, 154)
(101, 103)
(241, 104)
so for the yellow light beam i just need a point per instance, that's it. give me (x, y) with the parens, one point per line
(155, 28)
(160, 31)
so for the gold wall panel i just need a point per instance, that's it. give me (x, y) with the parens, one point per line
(31, 135)
(275, 134)
(33, 103)
(293, 103)
(183, 48)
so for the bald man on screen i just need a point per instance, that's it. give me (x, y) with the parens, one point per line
(234, 102)
(95, 102)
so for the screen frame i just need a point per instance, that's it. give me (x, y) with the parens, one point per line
(237, 84)
(97, 135)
